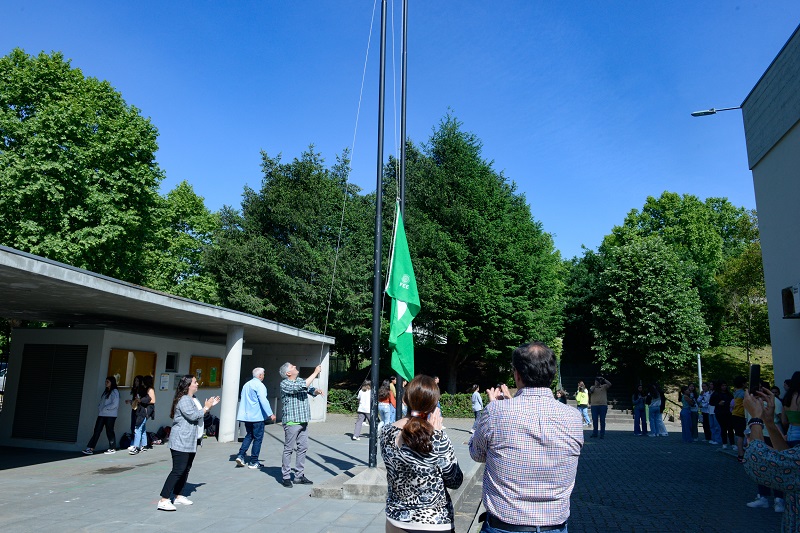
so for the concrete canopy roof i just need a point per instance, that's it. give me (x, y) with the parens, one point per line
(38, 289)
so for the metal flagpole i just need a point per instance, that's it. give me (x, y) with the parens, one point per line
(402, 187)
(377, 286)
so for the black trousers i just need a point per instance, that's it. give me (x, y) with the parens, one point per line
(726, 423)
(108, 423)
(176, 480)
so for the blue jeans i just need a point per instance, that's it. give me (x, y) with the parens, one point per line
(489, 529)
(657, 426)
(385, 413)
(716, 430)
(686, 424)
(585, 412)
(140, 436)
(639, 422)
(599, 415)
(255, 434)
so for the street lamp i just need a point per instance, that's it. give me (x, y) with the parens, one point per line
(713, 111)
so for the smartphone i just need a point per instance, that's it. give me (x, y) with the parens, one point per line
(755, 378)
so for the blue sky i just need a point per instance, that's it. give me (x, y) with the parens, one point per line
(584, 104)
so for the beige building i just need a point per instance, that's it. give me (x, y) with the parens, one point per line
(772, 129)
(103, 326)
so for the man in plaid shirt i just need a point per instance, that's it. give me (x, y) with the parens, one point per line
(530, 444)
(296, 414)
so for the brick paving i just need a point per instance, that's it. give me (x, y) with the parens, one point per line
(625, 483)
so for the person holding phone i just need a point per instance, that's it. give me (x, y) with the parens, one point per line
(774, 468)
(599, 398)
(420, 464)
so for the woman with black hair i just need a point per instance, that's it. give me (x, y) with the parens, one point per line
(639, 415)
(420, 464)
(183, 441)
(721, 400)
(108, 409)
(477, 404)
(655, 401)
(136, 393)
(146, 409)
(791, 411)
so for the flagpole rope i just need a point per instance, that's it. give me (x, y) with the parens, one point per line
(347, 181)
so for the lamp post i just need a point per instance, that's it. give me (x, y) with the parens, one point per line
(713, 111)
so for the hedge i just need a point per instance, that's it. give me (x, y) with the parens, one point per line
(453, 405)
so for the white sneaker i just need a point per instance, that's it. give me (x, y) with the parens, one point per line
(165, 505)
(110, 451)
(779, 506)
(713, 442)
(759, 503)
(724, 446)
(182, 500)
(131, 448)
(356, 438)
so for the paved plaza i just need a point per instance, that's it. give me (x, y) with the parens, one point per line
(625, 483)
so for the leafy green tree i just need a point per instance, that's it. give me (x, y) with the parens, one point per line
(78, 176)
(489, 277)
(184, 231)
(582, 283)
(741, 281)
(276, 257)
(647, 315)
(702, 234)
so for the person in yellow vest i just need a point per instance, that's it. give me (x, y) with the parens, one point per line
(582, 398)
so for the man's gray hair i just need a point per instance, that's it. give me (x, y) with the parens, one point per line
(257, 372)
(284, 369)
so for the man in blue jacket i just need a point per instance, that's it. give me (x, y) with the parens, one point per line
(254, 410)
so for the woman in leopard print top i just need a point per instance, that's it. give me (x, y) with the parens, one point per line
(420, 464)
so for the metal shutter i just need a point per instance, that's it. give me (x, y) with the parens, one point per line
(50, 389)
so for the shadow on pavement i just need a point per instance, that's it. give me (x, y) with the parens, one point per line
(13, 457)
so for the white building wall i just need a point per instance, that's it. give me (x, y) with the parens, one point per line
(776, 179)
(101, 342)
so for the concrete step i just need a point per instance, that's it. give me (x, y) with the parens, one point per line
(369, 484)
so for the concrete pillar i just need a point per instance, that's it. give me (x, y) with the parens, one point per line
(230, 383)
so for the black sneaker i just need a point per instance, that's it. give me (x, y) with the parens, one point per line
(288, 483)
(302, 480)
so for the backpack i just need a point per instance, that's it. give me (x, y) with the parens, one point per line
(211, 429)
(152, 438)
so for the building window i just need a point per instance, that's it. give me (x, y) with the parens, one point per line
(172, 362)
(207, 370)
(125, 364)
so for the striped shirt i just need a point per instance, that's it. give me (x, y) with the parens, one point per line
(530, 444)
(294, 395)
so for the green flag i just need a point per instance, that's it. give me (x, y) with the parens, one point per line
(402, 288)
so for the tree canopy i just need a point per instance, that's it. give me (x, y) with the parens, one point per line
(78, 177)
(184, 229)
(275, 258)
(487, 273)
(647, 314)
(702, 234)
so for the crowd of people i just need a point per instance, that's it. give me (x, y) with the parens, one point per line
(763, 428)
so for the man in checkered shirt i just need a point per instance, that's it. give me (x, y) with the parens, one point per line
(530, 444)
(296, 414)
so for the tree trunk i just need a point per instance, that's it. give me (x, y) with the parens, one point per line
(453, 362)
